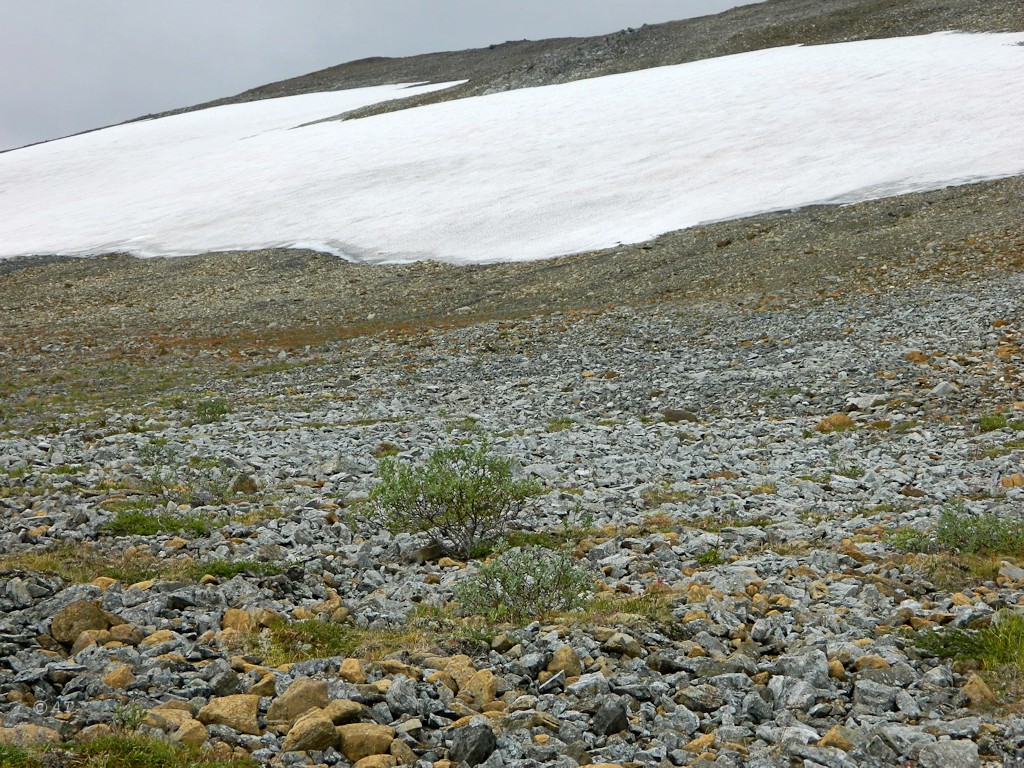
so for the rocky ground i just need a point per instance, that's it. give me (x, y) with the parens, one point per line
(743, 485)
(786, 451)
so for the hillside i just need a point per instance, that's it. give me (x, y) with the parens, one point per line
(784, 452)
(528, 63)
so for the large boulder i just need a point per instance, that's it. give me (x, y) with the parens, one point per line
(302, 695)
(314, 730)
(238, 712)
(77, 617)
(473, 743)
(359, 740)
(28, 735)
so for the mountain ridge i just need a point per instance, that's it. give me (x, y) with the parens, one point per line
(515, 64)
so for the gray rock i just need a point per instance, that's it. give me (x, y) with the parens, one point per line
(401, 697)
(473, 743)
(623, 644)
(700, 698)
(610, 718)
(874, 697)
(589, 685)
(950, 754)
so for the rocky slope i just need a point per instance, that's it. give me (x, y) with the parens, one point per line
(731, 478)
(785, 450)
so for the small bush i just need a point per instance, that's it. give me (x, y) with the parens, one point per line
(461, 497)
(988, 532)
(212, 409)
(965, 533)
(852, 471)
(525, 584)
(560, 423)
(909, 539)
(16, 757)
(196, 482)
(710, 557)
(385, 449)
(128, 717)
(81, 563)
(837, 422)
(991, 422)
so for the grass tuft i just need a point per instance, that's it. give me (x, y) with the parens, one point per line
(116, 751)
(289, 642)
(139, 522)
(1001, 644)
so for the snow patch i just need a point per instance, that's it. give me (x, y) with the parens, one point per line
(532, 173)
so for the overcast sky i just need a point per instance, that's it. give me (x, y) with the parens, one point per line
(71, 65)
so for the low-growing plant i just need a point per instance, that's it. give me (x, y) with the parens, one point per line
(198, 481)
(139, 522)
(992, 421)
(134, 751)
(465, 424)
(128, 717)
(906, 425)
(658, 496)
(68, 469)
(852, 471)
(950, 572)
(525, 584)
(559, 423)
(988, 532)
(908, 539)
(462, 497)
(212, 409)
(709, 557)
(966, 533)
(1002, 450)
(1001, 644)
(17, 757)
(116, 751)
(385, 449)
(609, 607)
(80, 563)
(287, 642)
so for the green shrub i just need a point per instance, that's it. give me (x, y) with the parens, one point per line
(196, 482)
(988, 532)
(560, 423)
(212, 409)
(966, 533)
(524, 584)
(285, 642)
(909, 539)
(128, 717)
(710, 557)
(461, 497)
(991, 422)
(16, 757)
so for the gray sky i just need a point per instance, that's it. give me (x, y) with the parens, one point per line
(71, 65)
